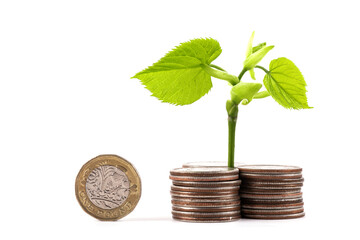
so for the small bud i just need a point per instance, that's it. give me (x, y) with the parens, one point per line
(258, 47)
(251, 61)
(244, 90)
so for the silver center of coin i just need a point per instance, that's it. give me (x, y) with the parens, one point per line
(107, 187)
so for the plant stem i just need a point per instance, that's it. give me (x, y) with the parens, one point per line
(242, 73)
(231, 150)
(233, 80)
(262, 68)
(217, 67)
(232, 110)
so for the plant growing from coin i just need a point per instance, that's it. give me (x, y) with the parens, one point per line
(184, 74)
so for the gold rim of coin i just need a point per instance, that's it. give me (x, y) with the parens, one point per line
(114, 176)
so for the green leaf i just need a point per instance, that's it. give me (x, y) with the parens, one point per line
(262, 94)
(252, 74)
(249, 46)
(286, 84)
(244, 91)
(179, 77)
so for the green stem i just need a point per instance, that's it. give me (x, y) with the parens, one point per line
(231, 150)
(232, 110)
(233, 80)
(217, 67)
(242, 74)
(262, 68)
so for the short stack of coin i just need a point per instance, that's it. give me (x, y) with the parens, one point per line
(271, 192)
(201, 194)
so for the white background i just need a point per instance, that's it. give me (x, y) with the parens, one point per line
(66, 96)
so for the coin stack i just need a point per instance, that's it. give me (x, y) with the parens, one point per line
(271, 192)
(201, 194)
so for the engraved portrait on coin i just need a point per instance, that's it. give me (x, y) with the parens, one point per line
(107, 187)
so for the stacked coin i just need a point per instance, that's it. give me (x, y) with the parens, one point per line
(271, 191)
(201, 194)
(210, 164)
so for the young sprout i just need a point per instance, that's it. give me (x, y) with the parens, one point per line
(184, 74)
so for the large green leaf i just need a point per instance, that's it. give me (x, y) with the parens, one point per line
(179, 77)
(286, 84)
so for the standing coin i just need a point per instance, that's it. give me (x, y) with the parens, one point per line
(108, 187)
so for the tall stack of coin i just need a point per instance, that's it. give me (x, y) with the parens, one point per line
(201, 194)
(271, 191)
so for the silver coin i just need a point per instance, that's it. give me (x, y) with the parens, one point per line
(269, 191)
(206, 214)
(274, 217)
(272, 188)
(218, 190)
(269, 169)
(207, 184)
(272, 206)
(205, 179)
(272, 211)
(271, 201)
(202, 195)
(210, 204)
(236, 207)
(270, 196)
(206, 220)
(210, 164)
(274, 181)
(209, 200)
(204, 171)
(260, 176)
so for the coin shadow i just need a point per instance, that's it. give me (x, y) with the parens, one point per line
(157, 219)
